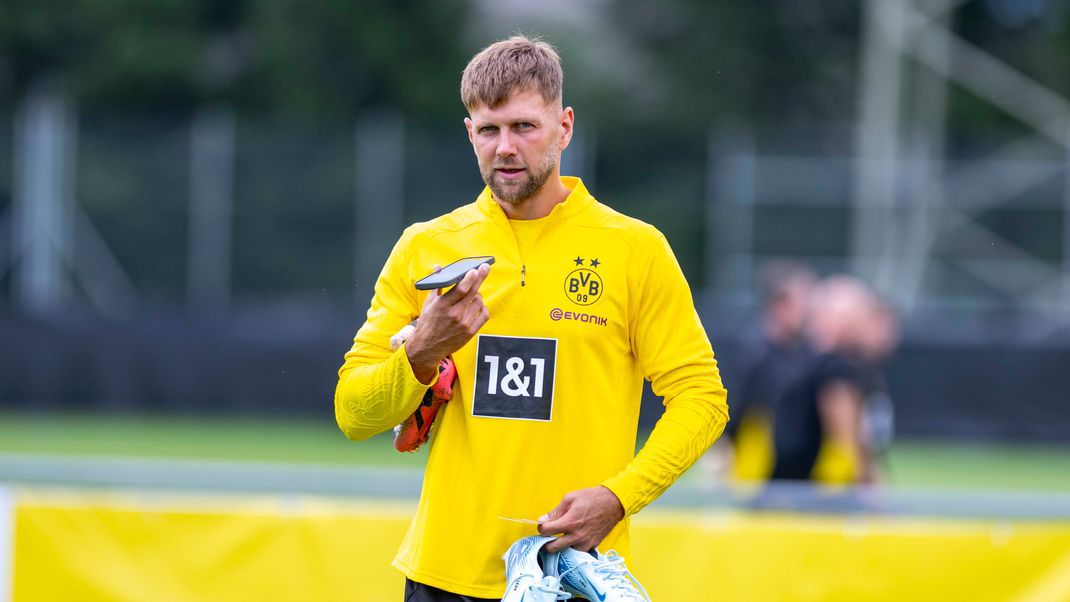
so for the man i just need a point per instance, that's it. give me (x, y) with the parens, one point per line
(773, 355)
(818, 423)
(551, 348)
(880, 337)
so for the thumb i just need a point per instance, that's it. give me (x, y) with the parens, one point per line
(430, 298)
(554, 514)
(434, 270)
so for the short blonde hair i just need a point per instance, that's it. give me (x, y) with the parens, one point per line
(513, 64)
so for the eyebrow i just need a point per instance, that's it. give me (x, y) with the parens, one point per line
(520, 119)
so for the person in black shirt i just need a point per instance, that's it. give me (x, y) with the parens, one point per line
(818, 426)
(773, 355)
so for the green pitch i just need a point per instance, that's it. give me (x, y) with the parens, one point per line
(910, 463)
(224, 438)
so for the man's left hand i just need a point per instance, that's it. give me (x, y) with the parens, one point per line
(583, 517)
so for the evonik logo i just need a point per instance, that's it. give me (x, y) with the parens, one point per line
(557, 314)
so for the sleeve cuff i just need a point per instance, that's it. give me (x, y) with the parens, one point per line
(618, 485)
(413, 381)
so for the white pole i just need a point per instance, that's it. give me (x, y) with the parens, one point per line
(379, 195)
(928, 136)
(877, 134)
(211, 204)
(731, 178)
(1066, 233)
(42, 204)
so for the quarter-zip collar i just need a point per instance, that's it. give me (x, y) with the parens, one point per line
(577, 201)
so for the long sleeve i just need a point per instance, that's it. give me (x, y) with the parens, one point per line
(376, 386)
(676, 356)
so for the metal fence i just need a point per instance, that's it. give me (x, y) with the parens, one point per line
(223, 261)
(131, 215)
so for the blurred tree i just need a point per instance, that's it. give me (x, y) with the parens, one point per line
(120, 54)
(1033, 37)
(771, 63)
(325, 58)
(338, 55)
(786, 64)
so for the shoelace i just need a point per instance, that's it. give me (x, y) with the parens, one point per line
(549, 586)
(617, 576)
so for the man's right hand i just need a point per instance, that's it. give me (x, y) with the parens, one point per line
(447, 322)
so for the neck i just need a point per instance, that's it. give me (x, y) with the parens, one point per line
(541, 203)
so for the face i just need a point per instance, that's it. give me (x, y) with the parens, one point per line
(789, 311)
(518, 144)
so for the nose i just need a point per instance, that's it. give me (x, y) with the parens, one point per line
(506, 148)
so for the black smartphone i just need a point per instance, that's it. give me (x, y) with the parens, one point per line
(453, 273)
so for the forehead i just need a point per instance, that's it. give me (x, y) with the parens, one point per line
(527, 103)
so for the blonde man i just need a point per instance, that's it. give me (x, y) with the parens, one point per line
(551, 347)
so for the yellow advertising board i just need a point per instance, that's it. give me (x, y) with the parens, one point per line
(86, 546)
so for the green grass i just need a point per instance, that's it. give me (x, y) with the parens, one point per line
(228, 438)
(910, 463)
(980, 466)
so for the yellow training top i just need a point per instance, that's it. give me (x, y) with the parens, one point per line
(549, 390)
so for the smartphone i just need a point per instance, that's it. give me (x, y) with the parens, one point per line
(453, 273)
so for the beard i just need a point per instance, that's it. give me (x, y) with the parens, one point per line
(515, 192)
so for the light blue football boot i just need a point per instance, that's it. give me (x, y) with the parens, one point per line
(594, 576)
(525, 577)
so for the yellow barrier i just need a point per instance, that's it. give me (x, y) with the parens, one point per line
(115, 547)
(792, 557)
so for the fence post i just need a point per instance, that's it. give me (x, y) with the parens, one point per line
(877, 134)
(379, 195)
(42, 208)
(731, 171)
(1066, 230)
(211, 203)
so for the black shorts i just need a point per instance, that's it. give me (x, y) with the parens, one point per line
(418, 592)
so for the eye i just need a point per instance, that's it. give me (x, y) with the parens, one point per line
(524, 125)
(487, 129)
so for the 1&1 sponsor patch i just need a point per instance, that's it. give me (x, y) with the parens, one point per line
(514, 377)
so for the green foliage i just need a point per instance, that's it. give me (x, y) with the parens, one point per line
(764, 61)
(327, 58)
(337, 56)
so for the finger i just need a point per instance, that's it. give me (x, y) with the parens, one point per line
(464, 287)
(477, 280)
(473, 307)
(475, 316)
(478, 275)
(549, 529)
(565, 523)
(484, 271)
(563, 543)
(549, 526)
(557, 512)
(434, 270)
(481, 318)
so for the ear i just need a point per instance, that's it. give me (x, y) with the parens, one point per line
(468, 126)
(565, 120)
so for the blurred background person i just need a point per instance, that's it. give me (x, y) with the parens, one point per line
(772, 355)
(818, 421)
(878, 339)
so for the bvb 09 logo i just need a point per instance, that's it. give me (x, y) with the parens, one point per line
(583, 287)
